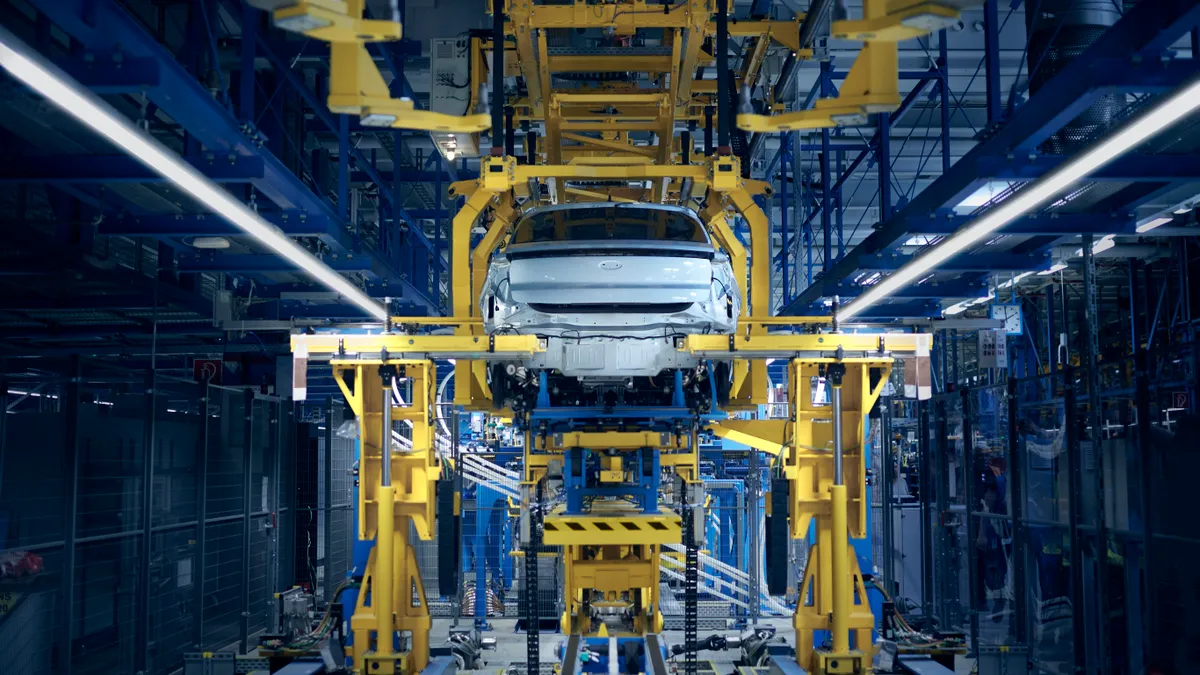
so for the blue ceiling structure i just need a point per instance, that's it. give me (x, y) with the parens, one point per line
(1133, 57)
(248, 133)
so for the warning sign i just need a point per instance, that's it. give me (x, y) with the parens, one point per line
(207, 370)
(1180, 399)
(993, 349)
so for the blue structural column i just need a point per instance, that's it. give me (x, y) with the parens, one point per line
(437, 230)
(838, 211)
(486, 501)
(250, 17)
(343, 175)
(991, 59)
(785, 141)
(885, 167)
(944, 92)
(826, 221)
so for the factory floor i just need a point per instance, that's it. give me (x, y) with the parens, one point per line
(510, 645)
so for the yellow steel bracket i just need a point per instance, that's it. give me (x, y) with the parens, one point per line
(356, 86)
(335, 21)
(873, 83)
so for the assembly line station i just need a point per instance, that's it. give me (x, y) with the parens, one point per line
(277, 400)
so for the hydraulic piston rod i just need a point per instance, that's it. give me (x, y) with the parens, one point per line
(840, 539)
(385, 542)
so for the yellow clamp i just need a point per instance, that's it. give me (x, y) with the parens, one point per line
(725, 173)
(330, 21)
(498, 174)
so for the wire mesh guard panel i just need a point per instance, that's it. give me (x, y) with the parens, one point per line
(157, 538)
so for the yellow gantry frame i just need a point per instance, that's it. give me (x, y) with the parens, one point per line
(384, 511)
(356, 86)
(873, 83)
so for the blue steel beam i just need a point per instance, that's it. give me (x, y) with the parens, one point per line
(932, 290)
(410, 175)
(112, 72)
(1130, 168)
(1146, 29)
(293, 224)
(100, 25)
(58, 169)
(1064, 224)
(260, 262)
(980, 262)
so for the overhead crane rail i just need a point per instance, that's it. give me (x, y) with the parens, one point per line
(675, 96)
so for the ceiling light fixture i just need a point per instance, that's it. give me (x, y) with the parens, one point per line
(1056, 267)
(1153, 223)
(28, 67)
(1177, 106)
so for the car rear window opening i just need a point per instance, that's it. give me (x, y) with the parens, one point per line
(616, 222)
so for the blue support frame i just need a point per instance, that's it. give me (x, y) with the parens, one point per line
(1147, 30)
(100, 26)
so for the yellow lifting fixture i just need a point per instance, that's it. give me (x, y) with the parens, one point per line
(873, 83)
(356, 86)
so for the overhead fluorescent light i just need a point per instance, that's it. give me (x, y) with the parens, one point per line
(1100, 245)
(1153, 223)
(1056, 267)
(1034, 194)
(1104, 244)
(1013, 281)
(28, 67)
(957, 308)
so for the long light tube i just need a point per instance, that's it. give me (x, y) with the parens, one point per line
(23, 64)
(1038, 192)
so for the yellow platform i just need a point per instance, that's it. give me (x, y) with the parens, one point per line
(612, 523)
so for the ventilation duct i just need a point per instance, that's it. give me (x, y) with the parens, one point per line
(1059, 31)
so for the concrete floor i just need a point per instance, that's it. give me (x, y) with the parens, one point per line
(510, 645)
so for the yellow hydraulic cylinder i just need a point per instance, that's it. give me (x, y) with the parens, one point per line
(385, 548)
(841, 571)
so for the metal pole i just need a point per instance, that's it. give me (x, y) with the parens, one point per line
(785, 152)
(991, 57)
(142, 598)
(1090, 353)
(437, 231)
(925, 480)
(889, 479)
(708, 130)
(885, 167)
(343, 168)
(1017, 489)
(328, 461)
(510, 134)
(1075, 515)
(725, 108)
(826, 179)
(531, 147)
(1150, 473)
(247, 462)
(66, 612)
(973, 521)
(944, 91)
(497, 73)
(198, 578)
(754, 488)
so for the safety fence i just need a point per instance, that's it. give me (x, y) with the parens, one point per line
(140, 517)
(1065, 570)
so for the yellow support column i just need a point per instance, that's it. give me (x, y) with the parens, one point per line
(841, 571)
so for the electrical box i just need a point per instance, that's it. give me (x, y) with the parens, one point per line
(450, 93)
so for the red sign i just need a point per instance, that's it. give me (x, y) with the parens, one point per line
(1179, 399)
(207, 370)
